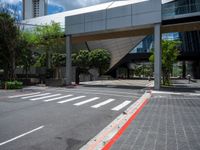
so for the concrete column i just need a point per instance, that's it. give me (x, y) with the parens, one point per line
(68, 77)
(157, 57)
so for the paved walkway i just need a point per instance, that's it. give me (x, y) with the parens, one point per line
(141, 83)
(167, 122)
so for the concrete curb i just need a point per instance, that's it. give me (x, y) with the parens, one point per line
(108, 133)
(175, 93)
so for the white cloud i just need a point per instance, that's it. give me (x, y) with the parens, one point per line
(14, 2)
(71, 4)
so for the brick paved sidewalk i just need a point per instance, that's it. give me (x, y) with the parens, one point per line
(166, 123)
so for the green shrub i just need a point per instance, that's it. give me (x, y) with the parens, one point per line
(13, 85)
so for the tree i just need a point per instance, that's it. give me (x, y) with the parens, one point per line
(49, 39)
(170, 52)
(26, 44)
(82, 63)
(9, 45)
(58, 60)
(100, 58)
(81, 59)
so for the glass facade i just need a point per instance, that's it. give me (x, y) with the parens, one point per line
(190, 42)
(187, 6)
(180, 7)
(189, 52)
(146, 44)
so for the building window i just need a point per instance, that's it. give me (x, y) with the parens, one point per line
(36, 8)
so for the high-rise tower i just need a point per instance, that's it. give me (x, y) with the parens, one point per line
(34, 8)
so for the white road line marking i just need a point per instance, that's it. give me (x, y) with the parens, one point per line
(94, 93)
(49, 96)
(102, 103)
(120, 106)
(24, 134)
(35, 95)
(105, 91)
(71, 99)
(53, 99)
(86, 101)
(23, 95)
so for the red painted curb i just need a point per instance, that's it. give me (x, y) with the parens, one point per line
(124, 127)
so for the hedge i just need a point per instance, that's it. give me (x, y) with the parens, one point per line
(13, 85)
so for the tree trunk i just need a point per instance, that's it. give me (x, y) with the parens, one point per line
(6, 72)
(166, 77)
(77, 75)
(12, 68)
(58, 74)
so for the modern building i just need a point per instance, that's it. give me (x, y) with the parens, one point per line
(120, 26)
(34, 8)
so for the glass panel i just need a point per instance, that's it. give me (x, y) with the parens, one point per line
(180, 7)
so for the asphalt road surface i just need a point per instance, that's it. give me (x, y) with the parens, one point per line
(59, 118)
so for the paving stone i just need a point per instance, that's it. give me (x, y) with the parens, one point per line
(150, 142)
(168, 123)
(183, 146)
(171, 144)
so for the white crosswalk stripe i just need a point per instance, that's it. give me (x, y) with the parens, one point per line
(53, 99)
(44, 97)
(71, 99)
(86, 101)
(16, 96)
(103, 103)
(61, 98)
(120, 106)
(35, 95)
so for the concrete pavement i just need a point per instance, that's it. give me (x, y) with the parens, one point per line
(120, 83)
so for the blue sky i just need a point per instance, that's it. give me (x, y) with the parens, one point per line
(55, 6)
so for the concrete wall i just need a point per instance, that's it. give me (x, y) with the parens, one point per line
(28, 9)
(118, 16)
(118, 48)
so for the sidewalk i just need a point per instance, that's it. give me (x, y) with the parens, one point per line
(120, 83)
(167, 122)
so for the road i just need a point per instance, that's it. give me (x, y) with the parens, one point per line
(59, 118)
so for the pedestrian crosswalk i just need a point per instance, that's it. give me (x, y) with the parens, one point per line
(16, 96)
(37, 95)
(44, 97)
(102, 103)
(86, 101)
(71, 99)
(61, 97)
(120, 106)
(76, 100)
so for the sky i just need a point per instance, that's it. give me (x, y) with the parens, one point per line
(55, 6)
(64, 5)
